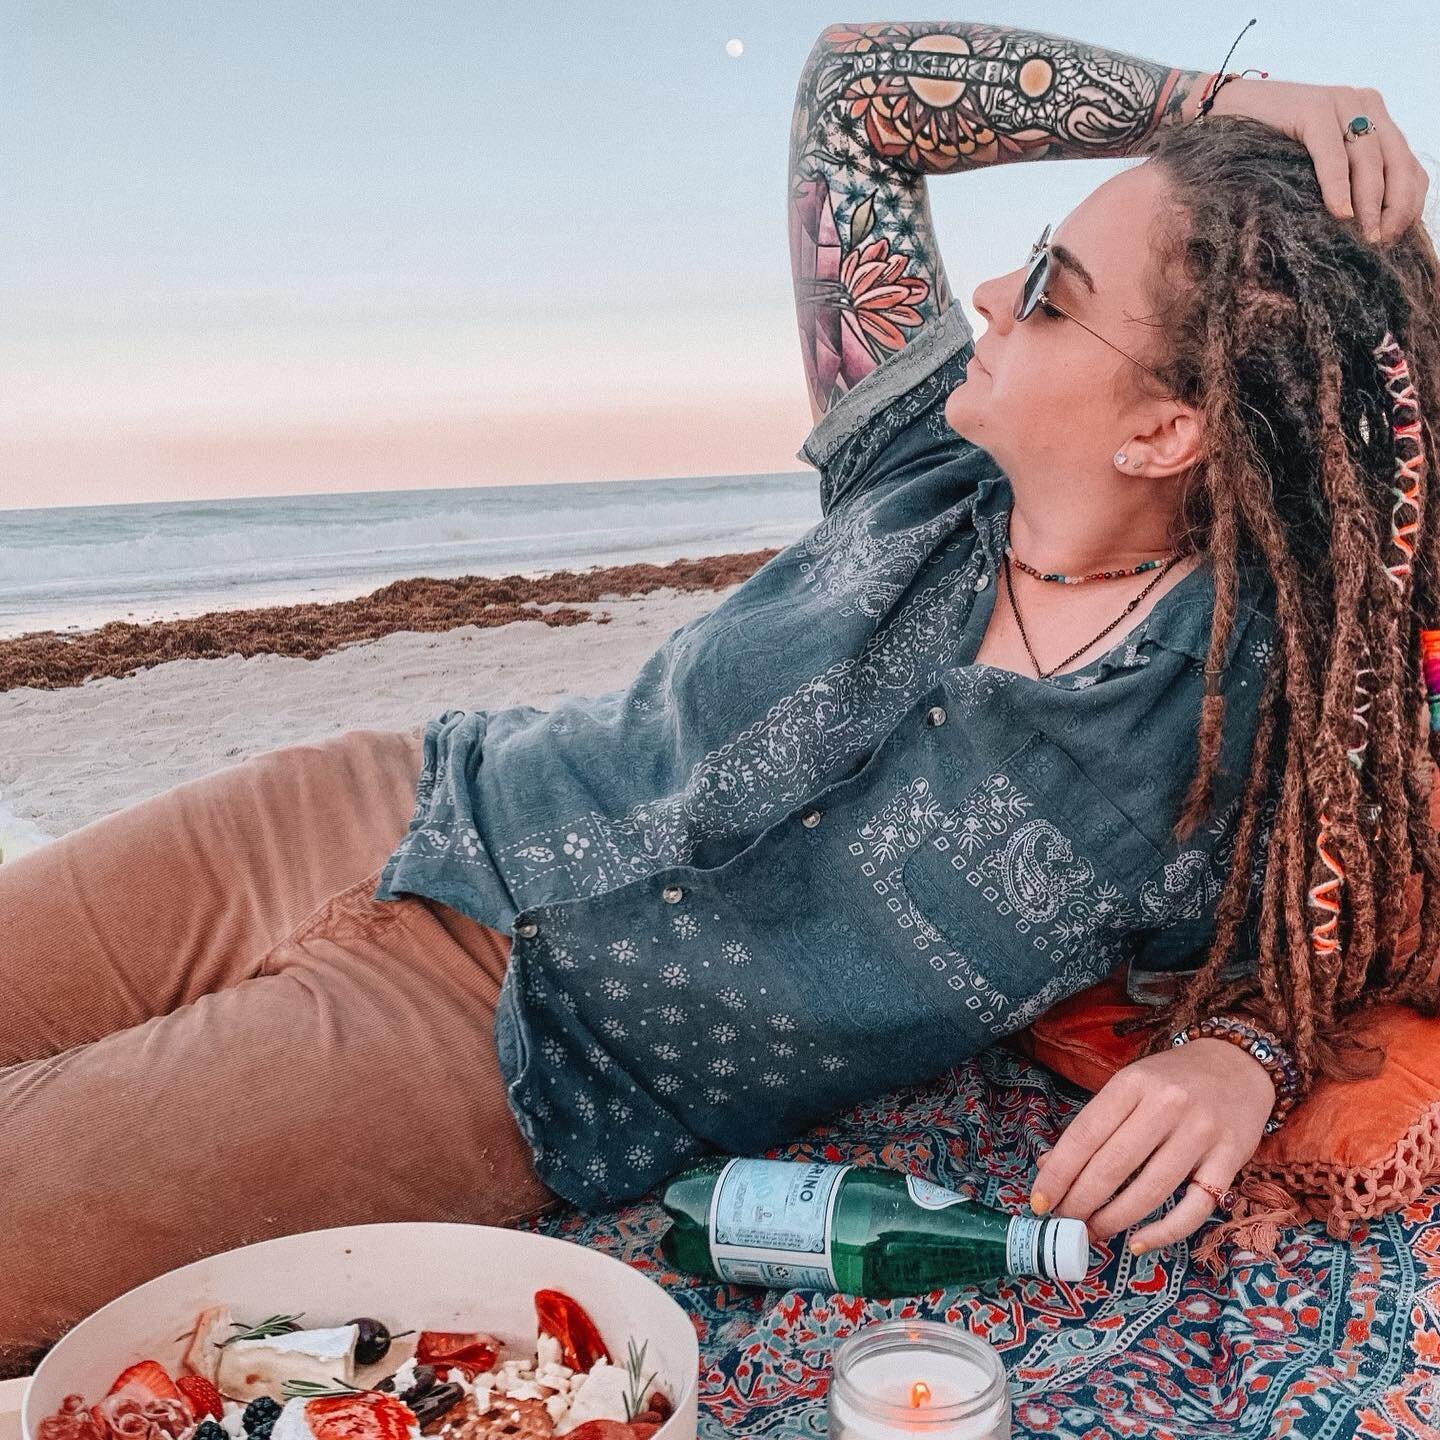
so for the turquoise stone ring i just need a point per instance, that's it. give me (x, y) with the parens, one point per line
(1358, 126)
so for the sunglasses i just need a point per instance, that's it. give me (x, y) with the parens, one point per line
(1033, 295)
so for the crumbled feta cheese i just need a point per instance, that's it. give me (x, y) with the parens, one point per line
(547, 1352)
(556, 1406)
(455, 1377)
(232, 1420)
(600, 1395)
(404, 1377)
(290, 1423)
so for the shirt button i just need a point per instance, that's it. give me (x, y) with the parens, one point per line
(810, 819)
(672, 894)
(527, 929)
(981, 581)
(935, 715)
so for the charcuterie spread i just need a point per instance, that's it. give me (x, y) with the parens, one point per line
(276, 1380)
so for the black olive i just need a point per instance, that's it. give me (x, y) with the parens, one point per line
(373, 1343)
(435, 1403)
(422, 1384)
(386, 1385)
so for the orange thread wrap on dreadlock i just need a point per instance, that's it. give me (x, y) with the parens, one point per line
(1325, 897)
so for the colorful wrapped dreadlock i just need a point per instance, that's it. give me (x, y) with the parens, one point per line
(1408, 490)
(1430, 663)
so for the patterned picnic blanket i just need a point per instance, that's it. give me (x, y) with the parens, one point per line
(1339, 1339)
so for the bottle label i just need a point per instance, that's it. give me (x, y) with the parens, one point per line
(1026, 1250)
(772, 1221)
(931, 1197)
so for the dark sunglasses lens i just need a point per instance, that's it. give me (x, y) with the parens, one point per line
(1035, 278)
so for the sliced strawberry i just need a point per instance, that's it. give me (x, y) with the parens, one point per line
(148, 1380)
(366, 1416)
(201, 1396)
(469, 1351)
(565, 1320)
(660, 1405)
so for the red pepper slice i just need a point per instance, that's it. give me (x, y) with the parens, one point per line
(565, 1320)
(470, 1351)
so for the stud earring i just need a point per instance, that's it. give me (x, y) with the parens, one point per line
(1119, 457)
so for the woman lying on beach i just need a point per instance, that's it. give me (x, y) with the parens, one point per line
(1105, 653)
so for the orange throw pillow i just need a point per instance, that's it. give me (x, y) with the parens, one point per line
(1350, 1151)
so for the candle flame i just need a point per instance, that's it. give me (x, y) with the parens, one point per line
(919, 1394)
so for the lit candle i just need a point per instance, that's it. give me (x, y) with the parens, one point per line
(906, 1378)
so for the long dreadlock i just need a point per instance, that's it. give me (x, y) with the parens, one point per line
(1314, 359)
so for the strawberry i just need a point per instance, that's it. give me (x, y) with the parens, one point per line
(201, 1396)
(148, 1380)
(366, 1416)
(604, 1430)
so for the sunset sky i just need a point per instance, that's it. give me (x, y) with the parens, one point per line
(267, 246)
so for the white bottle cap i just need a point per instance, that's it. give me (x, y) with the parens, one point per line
(1068, 1250)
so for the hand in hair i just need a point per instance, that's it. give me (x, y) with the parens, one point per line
(1375, 178)
(1199, 1109)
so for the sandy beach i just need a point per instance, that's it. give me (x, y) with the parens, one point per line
(105, 719)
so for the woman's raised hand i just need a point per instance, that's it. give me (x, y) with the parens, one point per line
(1199, 1109)
(1375, 177)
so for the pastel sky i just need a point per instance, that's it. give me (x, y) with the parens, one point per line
(267, 246)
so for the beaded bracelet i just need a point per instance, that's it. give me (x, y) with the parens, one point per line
(1260, 1045)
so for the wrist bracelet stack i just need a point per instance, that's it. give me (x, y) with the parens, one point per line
(1260, 1045)
(1217, 81)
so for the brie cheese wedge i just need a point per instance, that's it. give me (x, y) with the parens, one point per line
(249, 1368)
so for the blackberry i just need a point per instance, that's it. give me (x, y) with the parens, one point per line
(209, 1430)
(259, 1417)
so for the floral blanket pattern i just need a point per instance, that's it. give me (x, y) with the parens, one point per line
(1341, 1339)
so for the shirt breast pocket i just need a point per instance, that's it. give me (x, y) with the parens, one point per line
(1027, 890)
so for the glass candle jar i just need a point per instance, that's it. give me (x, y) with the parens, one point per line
(902, 1379)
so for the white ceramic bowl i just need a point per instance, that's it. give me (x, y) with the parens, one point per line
(421, 1276)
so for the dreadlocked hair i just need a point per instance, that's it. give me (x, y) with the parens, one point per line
(1272, 316)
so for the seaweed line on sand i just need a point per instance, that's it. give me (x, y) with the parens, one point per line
(52, 660)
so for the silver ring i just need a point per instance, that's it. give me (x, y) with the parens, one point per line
(1359, 127)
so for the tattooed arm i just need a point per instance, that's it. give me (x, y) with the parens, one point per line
(879, 107)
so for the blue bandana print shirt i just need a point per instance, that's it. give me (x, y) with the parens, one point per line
(814, 851)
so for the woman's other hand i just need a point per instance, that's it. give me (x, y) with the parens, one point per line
(1198, 1109)
(1376, 177)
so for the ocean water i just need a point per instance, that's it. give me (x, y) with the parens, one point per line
(73, 568)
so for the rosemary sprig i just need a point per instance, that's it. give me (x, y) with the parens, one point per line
(638, 1390)
(309, 1389)
(272, 1325)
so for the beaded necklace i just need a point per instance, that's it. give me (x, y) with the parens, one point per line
(1056, 578)
(1167, 566)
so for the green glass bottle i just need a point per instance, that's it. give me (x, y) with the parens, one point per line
(859, 1230)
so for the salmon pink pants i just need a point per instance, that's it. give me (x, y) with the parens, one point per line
(211, 1034)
